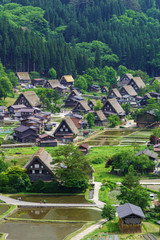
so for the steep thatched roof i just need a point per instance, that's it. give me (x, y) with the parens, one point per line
(54, 83)
(32, 98)
(84, 105)
(101, 115)
(139, 82)
(116, 93)
(129, 75)
(130, 90)
(93, 101)
(43, 156)
(115, 104)
(23, 76)
(67, 78)
(70, 124)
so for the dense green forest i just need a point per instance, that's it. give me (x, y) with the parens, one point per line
(72, 35)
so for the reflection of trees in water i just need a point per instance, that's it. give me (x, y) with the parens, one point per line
(33, 213)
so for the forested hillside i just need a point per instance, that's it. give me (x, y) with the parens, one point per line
(39, 34)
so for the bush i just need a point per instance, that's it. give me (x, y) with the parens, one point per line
(97, 160)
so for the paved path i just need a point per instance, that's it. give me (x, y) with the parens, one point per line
(89, 230)
(33, 204)
(97, 186)
(150, 181)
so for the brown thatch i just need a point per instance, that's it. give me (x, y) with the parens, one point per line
(116, 93)
(115, 104)
(139, 82)
(130, 90)
(67, 78)
(129, 75)
(32, 98)
(93, 101)
(101, 115)
(23, 76)
(84, 105)
(70, 125)
(43, 156)
(54, 83)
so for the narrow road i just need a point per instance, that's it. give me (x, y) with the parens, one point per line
(97, 186)
(89, 230)
(9, 200)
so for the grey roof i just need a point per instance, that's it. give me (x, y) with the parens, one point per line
(43, 156)
(26, 110)
(18, 106)
(2, 108)
(78, 98)
(129, 209)
(129, 89)
(21, 128)
(148, 153)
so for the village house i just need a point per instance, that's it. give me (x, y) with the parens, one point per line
(32, 123)
(81, 107)
(112, 107)
(73, 98)
(67, 80)
(128, 90)
(46, 140)
(23, 77)
(137, 83)
(38, 82)
(94, 88)
(45, 116)
(39, 166)
(152, 155)
(130, 218)
(15, 108)
(66, 131)
(2, 109)
(24, 113)
(125, 80)
(114, 93)
(55, 85)
(25, 134)
(103, 99)
(145, 99)
(84, 148)
(100, 118)
(104, 89)
(92, 103)
(146, 120)
(29, 99)
(155, 78)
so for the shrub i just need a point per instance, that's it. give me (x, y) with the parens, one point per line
(97, 160)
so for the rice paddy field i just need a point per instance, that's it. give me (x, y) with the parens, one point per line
(121, 137)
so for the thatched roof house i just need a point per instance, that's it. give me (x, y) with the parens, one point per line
(29, 99)
(23, 77)
(111, 107)
(66, 130)
(67, 80)
(137, 83)
(81, 107)
(39, 166)
(114, 93)
(128, 90)
(100, 118)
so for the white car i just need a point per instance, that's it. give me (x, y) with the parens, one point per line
(151, 196)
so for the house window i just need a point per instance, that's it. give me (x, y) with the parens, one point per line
(66, 129)
(64, 126)
(41, 166)
(40, 171)
(36, 165)
(33, 171)
(61, 129)
(31, 166)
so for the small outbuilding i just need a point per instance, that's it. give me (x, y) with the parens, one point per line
(130, 218)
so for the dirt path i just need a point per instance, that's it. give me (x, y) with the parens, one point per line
(89, 230)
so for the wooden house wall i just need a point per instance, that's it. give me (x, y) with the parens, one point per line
(37, 170)
(129, 228)
(108, 107)
(22, 100)
(134, 85)
(124, 80)
(112, 95)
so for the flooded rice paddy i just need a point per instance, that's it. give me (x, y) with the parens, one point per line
(118, 137)
(4, 208)
(51, 198)
(67, 214)
(38, 231)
